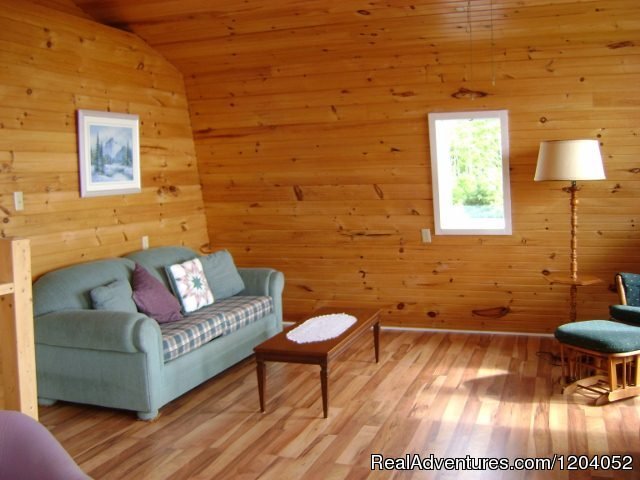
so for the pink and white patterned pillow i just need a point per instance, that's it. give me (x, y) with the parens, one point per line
(190, 285)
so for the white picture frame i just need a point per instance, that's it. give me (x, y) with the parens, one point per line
(109, 153)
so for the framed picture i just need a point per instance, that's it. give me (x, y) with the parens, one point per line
(109, 147)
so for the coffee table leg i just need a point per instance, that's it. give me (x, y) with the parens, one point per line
(261, 381)
(324, 374)
(376, 339)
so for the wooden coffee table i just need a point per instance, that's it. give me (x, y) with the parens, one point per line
(280, 349)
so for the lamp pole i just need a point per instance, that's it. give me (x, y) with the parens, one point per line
(573, 292)
(573, 189)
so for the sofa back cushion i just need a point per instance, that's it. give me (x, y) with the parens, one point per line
(69, 288)
(154, 260)
(222, 274)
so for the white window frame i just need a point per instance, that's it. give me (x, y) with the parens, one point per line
(442, 185)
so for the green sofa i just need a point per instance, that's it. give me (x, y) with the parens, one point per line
(115, 358)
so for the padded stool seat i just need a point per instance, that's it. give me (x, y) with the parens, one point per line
(600, 348)
(601, 335)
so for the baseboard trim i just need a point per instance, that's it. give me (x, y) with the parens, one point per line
(449, 330)
(472, 332)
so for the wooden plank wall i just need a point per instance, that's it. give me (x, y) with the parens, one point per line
(53, 62)
(312, 143)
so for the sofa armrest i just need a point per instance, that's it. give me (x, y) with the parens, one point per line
(99, 330)
(264, 281)
(258, 281)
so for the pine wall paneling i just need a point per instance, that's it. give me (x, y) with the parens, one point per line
(310, 125)
(54, 61)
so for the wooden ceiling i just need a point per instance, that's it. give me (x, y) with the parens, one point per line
(202, 35)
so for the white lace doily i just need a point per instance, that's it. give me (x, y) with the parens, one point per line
(321, 328)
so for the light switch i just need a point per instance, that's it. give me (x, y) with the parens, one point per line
(18, 201)
(145, 242)
(426, 235)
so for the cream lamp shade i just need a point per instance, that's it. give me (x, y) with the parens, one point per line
(569, 160)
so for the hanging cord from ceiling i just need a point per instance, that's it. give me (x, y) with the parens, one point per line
(493, 63)
(470, 30)
(463, 92)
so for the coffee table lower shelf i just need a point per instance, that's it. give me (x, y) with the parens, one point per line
(280, 349)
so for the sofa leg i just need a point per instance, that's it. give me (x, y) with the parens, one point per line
(148, 416)
(46, 402)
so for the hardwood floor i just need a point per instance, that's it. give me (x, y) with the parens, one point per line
(445, 394)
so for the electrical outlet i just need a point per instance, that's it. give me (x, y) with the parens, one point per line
(426, 235)
(145, 242)
(18, 201)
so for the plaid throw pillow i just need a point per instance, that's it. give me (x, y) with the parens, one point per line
(190, 285)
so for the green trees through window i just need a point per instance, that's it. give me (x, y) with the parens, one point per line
(476, 159)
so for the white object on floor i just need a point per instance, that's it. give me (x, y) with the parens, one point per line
(321, 328)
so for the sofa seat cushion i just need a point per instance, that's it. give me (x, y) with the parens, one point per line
(202, 326)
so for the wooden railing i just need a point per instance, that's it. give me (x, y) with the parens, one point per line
(17, 350)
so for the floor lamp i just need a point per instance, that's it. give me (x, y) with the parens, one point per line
(571, 160)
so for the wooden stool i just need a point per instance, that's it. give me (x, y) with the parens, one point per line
(592, 353)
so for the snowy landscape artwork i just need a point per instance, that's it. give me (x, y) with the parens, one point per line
(109, 153)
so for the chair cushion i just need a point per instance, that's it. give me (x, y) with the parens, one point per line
(221, 318)
(625, 313)
(631, 283)
(600, 335)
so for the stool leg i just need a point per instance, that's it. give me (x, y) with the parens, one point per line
(563, 379)
(571, 364)
(613, 376)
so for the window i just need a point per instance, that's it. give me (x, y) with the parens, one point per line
(470, 168)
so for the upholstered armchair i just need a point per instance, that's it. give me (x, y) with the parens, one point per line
(28, 451)
(628, 310)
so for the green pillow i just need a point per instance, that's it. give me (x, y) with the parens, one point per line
(115, 296)
(222, 274)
